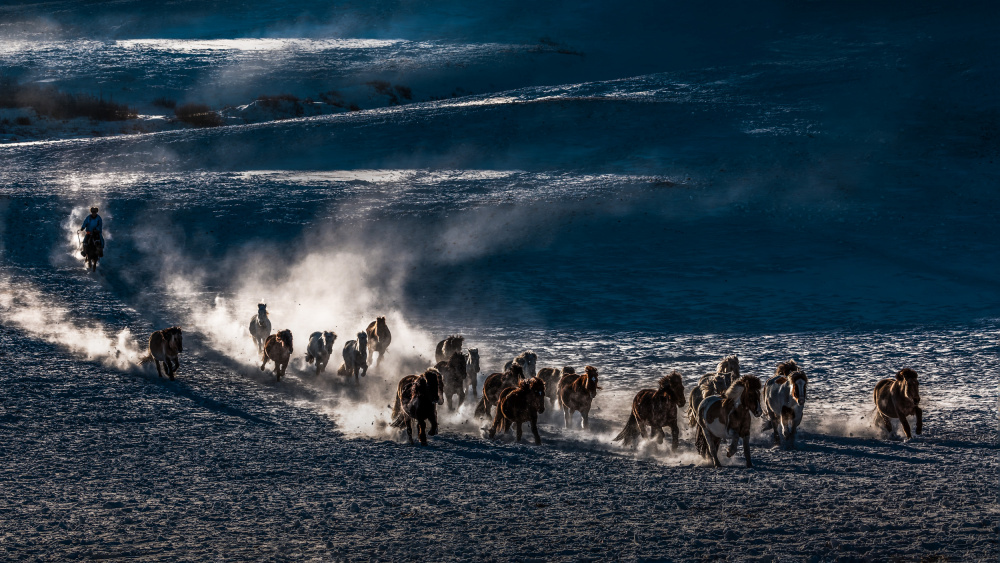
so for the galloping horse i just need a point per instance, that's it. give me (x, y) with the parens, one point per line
(355, 357)
(728, 416)
(91, 252)
(277, 348)
(712, 384)
(379, 338)
(655, 408)
(417, 397)
(784, 399)
(453, 372)
(577, 392)
(447, 347)
(898, 399)
(519, 405)
(164, 346)
(472, 369)
(494, 384)
(320, 348)
(260, 327)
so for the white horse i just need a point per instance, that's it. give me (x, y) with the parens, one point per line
(355, 357)
(784, 399)
(260, 327)
(320, 348)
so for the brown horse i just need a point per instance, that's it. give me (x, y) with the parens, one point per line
(447, 347)
(551, 378)
(417, 397)
(785, 369)
(655, 408)
(379, 338)
(898, 398)
(453, 371)
(92, 252)
(728, 416)
(577, 392)
(277, 348)
(494, 384)
(519, 405)
(164, 346)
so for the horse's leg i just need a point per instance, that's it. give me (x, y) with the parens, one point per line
(409, 429)
(674, 434)
(920, 419)
(734, 442)
(774, 429)
(905, 425)
(584, 412)
(567, 415)
(534, 428)
(158, 372)
(422, 431)
(169, 368)
(713, 449)
(746, 450)
(519, 432)
(264, 359)
(447, 399)
(434, 421)
(461, 396)
(658, 432)
(497, 422)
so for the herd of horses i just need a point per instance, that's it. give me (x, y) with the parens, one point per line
(720, 408)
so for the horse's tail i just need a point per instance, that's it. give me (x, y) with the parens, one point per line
(692, 410)
(630, 432)
(701, 444)
(145, 359)
(482, 407)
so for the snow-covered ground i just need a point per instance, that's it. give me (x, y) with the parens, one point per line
(633, 187)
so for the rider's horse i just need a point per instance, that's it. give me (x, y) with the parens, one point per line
(92, 251)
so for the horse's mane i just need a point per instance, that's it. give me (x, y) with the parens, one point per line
(285, 336)
(906, 373)
(665, 381)
(786, 368)
(749, 382)
(797, 375)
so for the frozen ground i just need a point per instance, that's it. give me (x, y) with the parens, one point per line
(807, 183)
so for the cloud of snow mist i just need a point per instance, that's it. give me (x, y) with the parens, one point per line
(37, 314)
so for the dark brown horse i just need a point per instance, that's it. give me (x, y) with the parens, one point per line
(453, 371)
(447, 347)
(655, 408)
(898, 398)
(277, 348)
(417, 397)
(577, 392)
(728, 416)
(551, 378)
(519, 405)
(164, 346)
(92, 252)
(494, 384)
(379, 338)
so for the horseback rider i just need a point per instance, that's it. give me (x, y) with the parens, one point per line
(93, 225)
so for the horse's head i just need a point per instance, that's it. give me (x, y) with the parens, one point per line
(514, 373)
(175, 338)
(362, 341)
(285, 336)
(473, 361)
(907, 379)
(380, 322)
(751, 394)
(798, 381)
(536, 393)
(729, 364)
(527, 361)
(673, 386)
(261, 312)
(454, 342)
(434, 384)
(328, 338)
(569, 369)
(590, 380)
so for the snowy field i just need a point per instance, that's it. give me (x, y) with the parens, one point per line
(640, 188)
